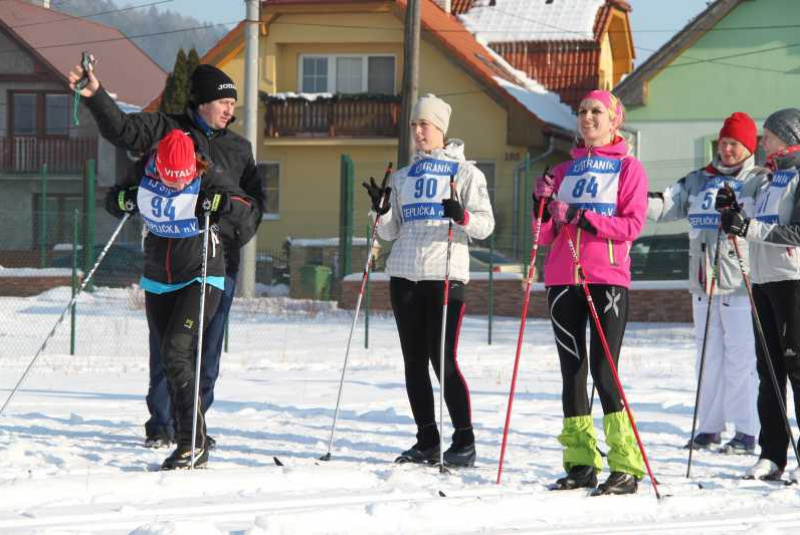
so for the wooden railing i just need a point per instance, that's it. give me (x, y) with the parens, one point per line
(333, 117)
(62, 155)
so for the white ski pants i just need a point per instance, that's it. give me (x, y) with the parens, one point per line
(730, 384)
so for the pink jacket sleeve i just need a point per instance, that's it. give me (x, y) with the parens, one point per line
(627, 224)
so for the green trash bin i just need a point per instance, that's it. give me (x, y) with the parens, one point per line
(315, 282)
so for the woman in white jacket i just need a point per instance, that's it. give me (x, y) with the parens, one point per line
(415, 213)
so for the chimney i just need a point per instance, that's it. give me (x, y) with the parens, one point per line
(446, 5)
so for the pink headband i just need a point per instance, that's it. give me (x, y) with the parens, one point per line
(612, 104)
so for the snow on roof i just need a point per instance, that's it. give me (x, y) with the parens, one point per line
(533, 20)
(546, 105)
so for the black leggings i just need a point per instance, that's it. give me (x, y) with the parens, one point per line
(417, 310)
(569, 313)
(174, 317)
(777, 304)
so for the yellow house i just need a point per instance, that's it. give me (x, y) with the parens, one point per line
(330, 72)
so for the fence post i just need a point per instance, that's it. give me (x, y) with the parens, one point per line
(88, 210)
(346, 217)
(366, 294)
(227, 330)
(43, 208)
(491, 285)
(74, 281)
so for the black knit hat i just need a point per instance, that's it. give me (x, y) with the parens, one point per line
(786, 125)
(208, 83)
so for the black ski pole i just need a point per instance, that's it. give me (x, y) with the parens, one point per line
(200, 327)
(68, 307)
(364, 276)
(714, 275)
(763, 341)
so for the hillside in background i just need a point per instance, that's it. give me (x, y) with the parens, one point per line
(163, 31)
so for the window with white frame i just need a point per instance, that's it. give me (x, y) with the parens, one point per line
(271, 173)
(347, 74)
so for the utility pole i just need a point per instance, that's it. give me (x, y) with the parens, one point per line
(247, 275)
(405, 147)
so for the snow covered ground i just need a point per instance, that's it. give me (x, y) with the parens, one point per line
(72, 460)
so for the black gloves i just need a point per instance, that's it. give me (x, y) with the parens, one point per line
(734, 223)
(217, 203)
(121, 201)
(454, 210)
(726, 200)
(535, 209)
(378, 194)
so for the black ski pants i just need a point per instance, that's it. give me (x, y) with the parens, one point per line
(569, 313)
(777, 305)
(417, 310)
(174, 316)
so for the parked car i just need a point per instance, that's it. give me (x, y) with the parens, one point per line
(121, 267)
(479, 259)
(664, 257)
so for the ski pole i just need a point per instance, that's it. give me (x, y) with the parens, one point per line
(525, 302)
(200, 322)
(714, 275)
(364, 276)
(763, 340)
(601, 334)
(444, 327)
(69, 306)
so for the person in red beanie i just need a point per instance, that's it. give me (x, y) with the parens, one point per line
(729, 387)
(168, 188)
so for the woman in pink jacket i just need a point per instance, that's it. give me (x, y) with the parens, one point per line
(597, 201)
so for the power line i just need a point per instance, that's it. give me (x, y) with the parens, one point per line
(72, 17)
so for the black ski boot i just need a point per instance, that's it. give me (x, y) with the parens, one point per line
(426, 449)
(617, 483)
(160, 439)
(181, 458)
(461, 453)
(578, 477)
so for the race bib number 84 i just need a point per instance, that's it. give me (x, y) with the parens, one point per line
(592, 184)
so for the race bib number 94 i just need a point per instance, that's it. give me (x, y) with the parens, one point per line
(427, 184)
(167, 212)
(592, 184)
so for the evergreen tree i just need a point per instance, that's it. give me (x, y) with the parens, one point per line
(180, 95)
(169, 89)
(192, 61)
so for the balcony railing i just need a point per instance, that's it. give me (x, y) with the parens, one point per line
(333, 117)
(27, 154)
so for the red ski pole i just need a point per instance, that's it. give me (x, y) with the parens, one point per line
(444, 329)
(526, 301)
(585, 284)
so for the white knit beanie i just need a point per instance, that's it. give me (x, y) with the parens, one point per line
(434, 110)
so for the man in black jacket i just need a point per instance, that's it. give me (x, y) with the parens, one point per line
(207, 118)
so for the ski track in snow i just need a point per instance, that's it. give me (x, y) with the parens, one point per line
(72, 460)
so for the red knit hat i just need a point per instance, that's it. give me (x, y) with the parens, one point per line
(742, 128)
(175, 158)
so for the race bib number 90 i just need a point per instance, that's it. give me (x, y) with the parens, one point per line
(427, 184)
(592, 184)
(168, 212)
